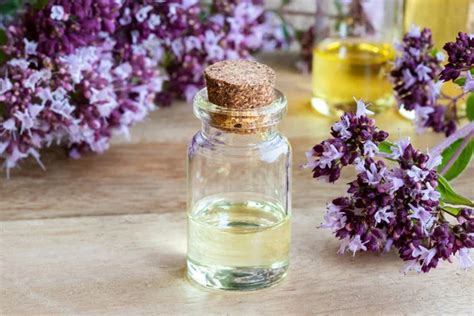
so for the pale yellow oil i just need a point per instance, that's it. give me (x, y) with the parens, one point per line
(344, 70)
(236, 244)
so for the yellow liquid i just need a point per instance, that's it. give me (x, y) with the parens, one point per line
(343, 70)
(236, 244)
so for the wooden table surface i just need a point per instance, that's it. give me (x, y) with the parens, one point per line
(106, 234)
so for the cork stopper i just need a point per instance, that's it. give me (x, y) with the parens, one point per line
(240, 84)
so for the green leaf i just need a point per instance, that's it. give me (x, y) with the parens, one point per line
(3, 58)
(299, 35)
(461, 162)
(470, 107)
(386, 147)
(202, 16)
(451, 210)
(40, 4)
(3, 109)
(460, 82)
(8, 7)
(3, 37)
(286, 32)
(448, 195)
(3, 40)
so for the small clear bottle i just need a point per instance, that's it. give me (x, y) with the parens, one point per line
(239, 196)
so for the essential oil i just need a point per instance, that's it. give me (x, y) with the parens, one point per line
(250, 238)
(346, 69)
(239, 181)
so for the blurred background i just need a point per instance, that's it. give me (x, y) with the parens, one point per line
(334, 51)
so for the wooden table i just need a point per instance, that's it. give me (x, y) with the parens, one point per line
(106, 234)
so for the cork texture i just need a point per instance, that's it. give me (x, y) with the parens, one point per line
(240, 84)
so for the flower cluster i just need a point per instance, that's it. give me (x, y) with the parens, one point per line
(63, 25)
(77, 72)
(394, 205)
(460, 57)
(353, 136)
(61, 86)
(414, 77)
(418, 78)
(232, 30)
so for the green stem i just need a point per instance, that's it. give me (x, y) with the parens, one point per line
(294, 12)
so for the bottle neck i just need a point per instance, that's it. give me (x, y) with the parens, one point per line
(243, 138)
(236, 126)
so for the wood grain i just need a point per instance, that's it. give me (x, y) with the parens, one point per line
(106, 234)
(134, 264)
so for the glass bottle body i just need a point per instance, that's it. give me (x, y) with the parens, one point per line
(238, 207)
(352, 53)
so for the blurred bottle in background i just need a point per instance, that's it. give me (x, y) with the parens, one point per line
(353, 52)
(445, 18)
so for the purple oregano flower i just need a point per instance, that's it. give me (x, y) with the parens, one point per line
(418, 77)
(394, 205)
(353, 136)
(79, 71)
(63, 25)
(65, 87)
(460, 57)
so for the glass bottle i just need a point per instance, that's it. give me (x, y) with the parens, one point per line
(352, 53)
(239, 202)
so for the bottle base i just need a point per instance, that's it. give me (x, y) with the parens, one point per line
(236, 278)
(409, 115)
(331, 109)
